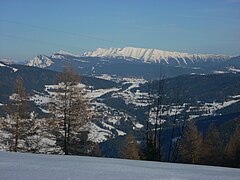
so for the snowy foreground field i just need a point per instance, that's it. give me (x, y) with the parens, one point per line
(32, 166)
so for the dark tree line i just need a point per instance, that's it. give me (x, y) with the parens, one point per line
(186, 143)
(210, 149)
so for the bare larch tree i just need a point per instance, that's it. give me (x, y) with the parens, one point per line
(69, 107)
(16, 124)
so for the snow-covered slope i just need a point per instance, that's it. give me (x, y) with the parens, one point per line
(129, 53)
(154, 55)
(36, 166)
(41, 61)
(3, 65)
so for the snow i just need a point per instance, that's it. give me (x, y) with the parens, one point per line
(40, 61)
(97, 134)
(105, 77)
(138, 125)
(228, 103)
(14, 96)
(113, 120)
(219, 72)
(110, 117)
(8, 61)
(129, 54)
(194, 110)
(44, 110)
(196, 68)
(120, 133)
(237, 96)
(57, 167)
(2, 65)
(233, 69)
(40, 99)
(99, 92)
(193, 116)
(153, 55)
(13, 69)
(136, 98)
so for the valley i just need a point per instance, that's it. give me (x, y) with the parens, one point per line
(122, 104)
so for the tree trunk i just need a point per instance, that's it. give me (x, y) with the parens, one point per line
(16, 136)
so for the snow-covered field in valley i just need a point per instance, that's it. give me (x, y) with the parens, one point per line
(35, 166)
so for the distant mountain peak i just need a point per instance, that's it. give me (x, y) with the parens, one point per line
(8, 61)
(64, 53)
(153, 55)
(41, 61)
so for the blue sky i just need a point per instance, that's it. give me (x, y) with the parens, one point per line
(32, 27)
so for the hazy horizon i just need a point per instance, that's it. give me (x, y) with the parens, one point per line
(29, 28)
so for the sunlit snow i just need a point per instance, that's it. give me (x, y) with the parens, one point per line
(58, 167)
(153, 55)
(12, 68)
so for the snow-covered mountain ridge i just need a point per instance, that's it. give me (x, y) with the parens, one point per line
(131, 53)
(137, 62)
(154, 55)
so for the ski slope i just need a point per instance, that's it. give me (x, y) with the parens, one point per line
(56, 167)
